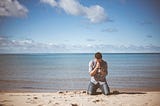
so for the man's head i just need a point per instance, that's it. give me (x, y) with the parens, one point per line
(98, 56)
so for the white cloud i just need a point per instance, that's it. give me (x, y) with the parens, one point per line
(95, 13)
(50, 2)
(72, 7)
(12, 8)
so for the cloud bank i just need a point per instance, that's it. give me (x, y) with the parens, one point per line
(30, 46)
(12, 8)
(95, 13)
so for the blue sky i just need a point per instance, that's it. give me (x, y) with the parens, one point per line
(81, 26)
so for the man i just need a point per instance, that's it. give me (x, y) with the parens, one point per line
(98, 71)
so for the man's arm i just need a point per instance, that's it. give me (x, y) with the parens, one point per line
(105, 71)
(92, 72)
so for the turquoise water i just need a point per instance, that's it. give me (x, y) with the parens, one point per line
(52, 72)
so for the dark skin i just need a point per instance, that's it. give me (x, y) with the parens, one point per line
(93, 72)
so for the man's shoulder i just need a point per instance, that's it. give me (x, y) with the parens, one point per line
(105, 62)
(92, 62)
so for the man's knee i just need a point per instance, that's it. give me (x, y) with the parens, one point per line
(106, 93)
(91, 89)
(90, 93)
(105, 89)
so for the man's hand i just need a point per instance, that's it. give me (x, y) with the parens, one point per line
(97, 65)
(93, 72)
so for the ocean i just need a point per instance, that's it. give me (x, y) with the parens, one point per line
(69, 71)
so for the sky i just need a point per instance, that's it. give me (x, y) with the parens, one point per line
(79, 26)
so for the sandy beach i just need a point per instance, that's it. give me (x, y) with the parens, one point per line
(80, 98)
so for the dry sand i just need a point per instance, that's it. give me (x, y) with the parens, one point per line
(80, 98)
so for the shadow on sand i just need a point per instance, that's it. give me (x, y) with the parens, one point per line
(117, 93)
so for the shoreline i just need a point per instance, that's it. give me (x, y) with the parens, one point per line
(64, 90)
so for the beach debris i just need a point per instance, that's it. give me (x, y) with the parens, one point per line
(60, 92)
(74, 104)
(35, 98)
(83, 91)
(96, 101)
